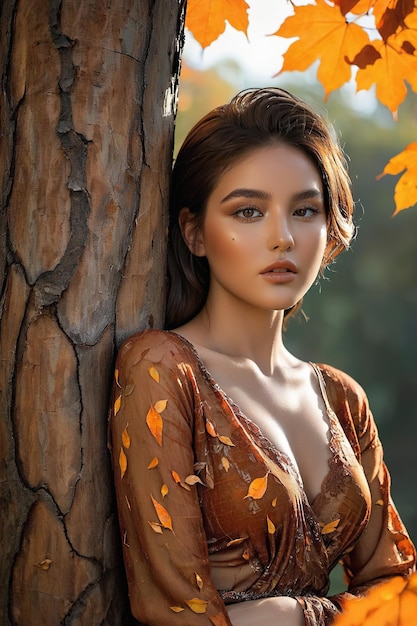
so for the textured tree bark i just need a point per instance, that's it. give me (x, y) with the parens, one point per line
(86, 126)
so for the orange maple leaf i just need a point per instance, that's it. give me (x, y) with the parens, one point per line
(390, 16)
(206, 19)
(392, 603)
(357, 7)
(323, 33)
(396, 64)
(405, 194)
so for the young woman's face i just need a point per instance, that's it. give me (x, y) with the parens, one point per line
(264, 232)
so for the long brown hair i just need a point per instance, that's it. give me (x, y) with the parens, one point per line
(252, 119)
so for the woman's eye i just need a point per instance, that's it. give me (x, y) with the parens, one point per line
(306, 211)
(248, 213)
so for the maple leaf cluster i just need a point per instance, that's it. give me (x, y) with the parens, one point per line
(336, 34)
(393, 603)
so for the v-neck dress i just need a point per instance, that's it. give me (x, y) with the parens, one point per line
(212, 513)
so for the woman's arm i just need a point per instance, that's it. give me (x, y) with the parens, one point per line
(279, 611)
(164, 544)
(384, 548)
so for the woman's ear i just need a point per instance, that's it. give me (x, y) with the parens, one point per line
(191, 232)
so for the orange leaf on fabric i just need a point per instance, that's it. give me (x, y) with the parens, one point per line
(226, 440)
(192, 479)
(199, 581)
(164, 490)
(117, 404)
(274, 502)
(197, 605)
(128, 390)
(153, 373)
(153, 463)
(125, 438)
(155, 424)
(270, 525)
(160, 405)
(258, 487)
(177, 609)
(405, 194)
(157, 528)
(206, 19)
(176, 476)
(210, 429)
(163, 515)
(330, 527)
(116, 377)
(235, 542)
(225, 463)
(323, 34)
(208, 479)
(122, 462)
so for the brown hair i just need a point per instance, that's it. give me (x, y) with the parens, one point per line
(252, 119)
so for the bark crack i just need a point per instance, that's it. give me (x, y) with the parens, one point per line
(50, 285)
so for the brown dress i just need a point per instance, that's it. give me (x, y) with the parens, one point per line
(212, 513)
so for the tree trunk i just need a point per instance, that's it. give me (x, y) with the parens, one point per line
(86, 113)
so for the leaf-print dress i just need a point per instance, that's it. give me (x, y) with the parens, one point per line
(212, 513)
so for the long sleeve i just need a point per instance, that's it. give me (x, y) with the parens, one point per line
(384, 548)
(164, 543)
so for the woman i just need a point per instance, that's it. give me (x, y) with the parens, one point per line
(243, 474)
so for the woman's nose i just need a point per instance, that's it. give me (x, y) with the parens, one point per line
(280, 236)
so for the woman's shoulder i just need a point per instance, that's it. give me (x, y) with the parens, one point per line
(157, 346)
(347, 398)
(345, 383)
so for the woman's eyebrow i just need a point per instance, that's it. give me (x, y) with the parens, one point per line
(308, 194)
(258, 194)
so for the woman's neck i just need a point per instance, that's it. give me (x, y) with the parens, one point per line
(240, 331)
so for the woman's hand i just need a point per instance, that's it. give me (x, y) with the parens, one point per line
(278, 611)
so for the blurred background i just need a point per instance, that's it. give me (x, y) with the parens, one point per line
(362, 318)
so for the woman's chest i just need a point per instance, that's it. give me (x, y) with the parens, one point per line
(252, 481)
(290, 418)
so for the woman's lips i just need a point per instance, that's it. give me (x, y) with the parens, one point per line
(280, 272)
(280, 267)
